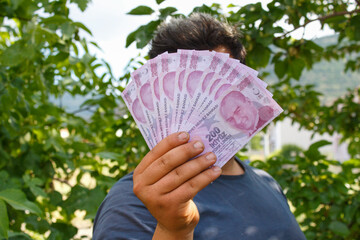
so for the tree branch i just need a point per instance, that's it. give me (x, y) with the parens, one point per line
(322, 18)
(82, 110)
(63, 181)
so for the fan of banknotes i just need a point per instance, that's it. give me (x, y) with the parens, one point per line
(213, 97)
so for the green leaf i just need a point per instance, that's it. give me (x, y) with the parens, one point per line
(16, 3)
(352, 163)
(280, 68)
(17, 199)
(231, 5)
(143, 34)
(85, 199)
(56, 19)
(335, 212)
(19, 235)
(296, 67)
(204, 9)
(339, 228)
(131, 38)
(95, 45)
(55, 198)
(110, 155)
(37, 224)
(82, 26)
(259, 56)
(313, 152)
(97, 196)
(4, 220)
(60, 230)
(16, 54)
(141, 10)
(159, 1)
(164, 12)
(82, 4)
(314, 46)
(35, 189)
(315, 146)
(68, 29)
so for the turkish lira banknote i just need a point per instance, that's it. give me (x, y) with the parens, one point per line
(208, 94)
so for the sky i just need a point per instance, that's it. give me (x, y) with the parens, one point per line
(110, 25)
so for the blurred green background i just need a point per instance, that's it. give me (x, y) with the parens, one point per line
(59, 157)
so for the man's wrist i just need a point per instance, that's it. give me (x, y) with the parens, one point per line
(161, 233)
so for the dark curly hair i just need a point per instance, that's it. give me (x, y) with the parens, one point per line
(200, 31)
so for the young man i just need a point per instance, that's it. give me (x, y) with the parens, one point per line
(169, 197)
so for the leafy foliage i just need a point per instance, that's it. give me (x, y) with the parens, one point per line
(141, 10)
(289, 57)
(325, 193)
(55, 163)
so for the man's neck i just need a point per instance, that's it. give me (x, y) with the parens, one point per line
(232, 167)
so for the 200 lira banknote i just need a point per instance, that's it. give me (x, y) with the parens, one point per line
(208, 94)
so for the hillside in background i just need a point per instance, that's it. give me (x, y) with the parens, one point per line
(329, 78)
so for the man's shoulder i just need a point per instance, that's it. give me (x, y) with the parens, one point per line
(261, 174)
(125, 183)
(120, 194)
(266, 179)
(122, 215)
(253, 171)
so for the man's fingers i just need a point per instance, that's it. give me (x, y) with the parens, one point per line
(190, 188)
(184, 172)
(165, 145)
(171, 160)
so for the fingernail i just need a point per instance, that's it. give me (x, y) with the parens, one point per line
(211, 157)
(216, 169)
(183, 136)
(198, 145)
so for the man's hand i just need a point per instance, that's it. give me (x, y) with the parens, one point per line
(166, 182)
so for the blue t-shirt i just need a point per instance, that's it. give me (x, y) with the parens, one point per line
(249, 206)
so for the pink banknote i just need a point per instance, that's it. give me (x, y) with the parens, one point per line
(208, 94)
(155, 68)
(169, 66)
(144, 92)
(137, 111)
(184, 64)
(215, 75)
(201, 74)
(240, 112)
